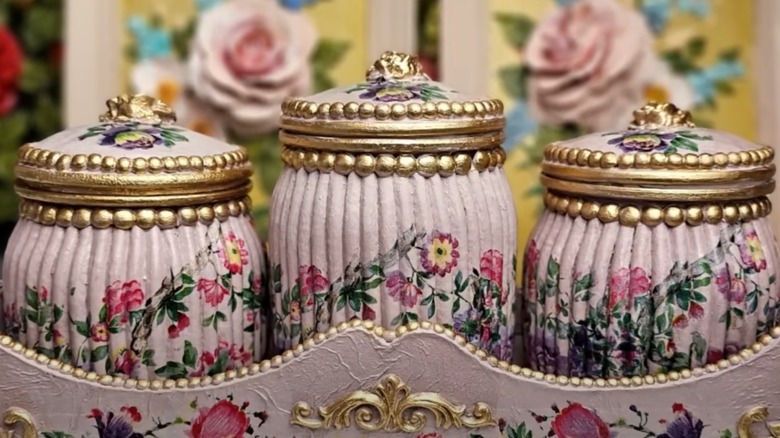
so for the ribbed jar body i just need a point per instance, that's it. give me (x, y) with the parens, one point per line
(604, 299)
(395, 250)
(170, 302)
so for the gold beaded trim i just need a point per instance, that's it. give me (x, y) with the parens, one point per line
(386, 164)
(124, 219)
(45, 159)
(631, 216)
(657, 160)
(390, 336)
(302, 109)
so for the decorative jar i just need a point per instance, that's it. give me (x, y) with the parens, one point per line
(654, 253)
(134, 253)
(393, 207)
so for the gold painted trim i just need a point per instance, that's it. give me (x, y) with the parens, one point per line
(394, 145)
(672, 215)
(302, 109)
(34, 157)
(118, 199)
(15, 417)
(384, 165)
(390, 336)
(757, 415)
(660, 194)
(668, 177)
(377, 128)
(124, 219)
(642, 160)
(397, 407)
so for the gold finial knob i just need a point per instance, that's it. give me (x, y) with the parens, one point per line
(139, 108)
(393, 66)
(659, 115)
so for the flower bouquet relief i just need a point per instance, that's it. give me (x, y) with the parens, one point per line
(561, 90)
(227, 70)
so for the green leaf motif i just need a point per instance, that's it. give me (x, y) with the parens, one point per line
(172, 370)
(99, 353)
(190, 356)
(516, 28)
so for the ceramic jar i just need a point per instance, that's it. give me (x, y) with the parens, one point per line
(135, 253)
(654, 253)
(393, 207)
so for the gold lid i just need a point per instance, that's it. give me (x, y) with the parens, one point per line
(393, 123)
(661, 158)
(135, 157)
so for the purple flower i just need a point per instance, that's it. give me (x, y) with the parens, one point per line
(132, 136)
(503, 348)
(392, 92)
(684, 426)
(643, 141)
(114, 426)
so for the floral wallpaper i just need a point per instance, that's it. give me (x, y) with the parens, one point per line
(568, 67)
(30, 86)
(225, 66)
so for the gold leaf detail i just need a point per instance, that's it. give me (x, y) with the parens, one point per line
(139, 108)
(395, 66)
(756, 415)
(17, 417)
(391, 407)
(660, 115)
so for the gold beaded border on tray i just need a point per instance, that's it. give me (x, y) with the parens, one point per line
(302, 109)
(124, 219)
(556, 153)
(389, 336)
(384, 165)
(32, 156)
(652, 216)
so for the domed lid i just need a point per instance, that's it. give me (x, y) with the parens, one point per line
(135, 157)
(661, 157)
(399, 108)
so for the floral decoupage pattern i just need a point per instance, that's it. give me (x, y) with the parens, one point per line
(122, 336)
(413, 274)
(399, 91)
(224, 418)
(135, 135)
(670, 142)
(702, 311)
(575, 420)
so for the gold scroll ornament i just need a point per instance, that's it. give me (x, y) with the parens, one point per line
(758, 415)
(661, 115)
(391, 407)
(15, 418)
(137, 108)
(394, 66)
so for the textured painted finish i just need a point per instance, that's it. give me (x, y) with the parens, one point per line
(606, 300)
(394, 250)
(425, 361)
(160, 302)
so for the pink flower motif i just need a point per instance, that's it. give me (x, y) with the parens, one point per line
(132, 413)
(402, 290)
(99, 332)
(627, 285)
(491, 266)
(431, 435)
(577, 421)
(531, 265)
(680, 321)
(43, 294)
(125, 362)
(441, 254)
(234, 254)
(122, 298)
(223, 420)
(257, 285)
(368, 313)
(639, 283)
(212, 291)
(695, 311)
(175, 329)
(310, 281)
(738, 291)
(722, 280)
(12, 324)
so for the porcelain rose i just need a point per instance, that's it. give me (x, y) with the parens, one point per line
(590, 64)
(247, 57)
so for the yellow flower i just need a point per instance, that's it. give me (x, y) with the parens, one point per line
(441, 255)
(754, 246)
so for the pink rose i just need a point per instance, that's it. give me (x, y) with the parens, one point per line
(577, 421)
(491, 266)
(126, 362)
(311, 280)
(589, 65)
(223, 420)
(402, 290)
(618, 287)
(738, 291)
(212, 291)
(122, 298)
(247, 57)
(639, 283)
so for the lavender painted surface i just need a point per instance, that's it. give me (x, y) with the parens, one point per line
(394, 250)
(166, 303)
(702, 405)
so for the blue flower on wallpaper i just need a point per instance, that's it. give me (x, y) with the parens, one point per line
(519, 124)
(705, 82)
(204, 5)
(657, 12)
(150, 42)
(296, 4)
